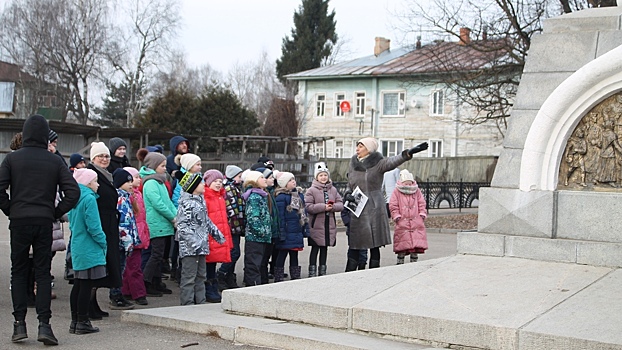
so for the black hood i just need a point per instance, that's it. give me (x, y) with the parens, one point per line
(35, 132)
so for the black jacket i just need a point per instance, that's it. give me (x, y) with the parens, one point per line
(117, 163)
(33, 175)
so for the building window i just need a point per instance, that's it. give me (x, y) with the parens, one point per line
(320, 103)
(339, 149)
(392, 147)
(393, 103)
(339, 97)
(319, 151)
(435, 149)
(437, 103)
(360, 104)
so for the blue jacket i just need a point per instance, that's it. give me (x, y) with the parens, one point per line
(128, 230)
(292, 230)
(88, 240)
(170, 160)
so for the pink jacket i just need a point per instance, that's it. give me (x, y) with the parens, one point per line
(407, 211)
(141, 220)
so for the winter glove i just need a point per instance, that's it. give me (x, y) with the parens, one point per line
(420, 147)
(349, 198)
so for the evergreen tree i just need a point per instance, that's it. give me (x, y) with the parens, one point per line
(115, 105)
(312, 39)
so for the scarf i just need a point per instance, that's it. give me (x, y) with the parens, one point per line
(412, 189)
(104, 172)
(295, 204)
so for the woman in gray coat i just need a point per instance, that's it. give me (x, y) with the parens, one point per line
(371, 229)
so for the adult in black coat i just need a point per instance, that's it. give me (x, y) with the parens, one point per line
(109, 217)
(118, 157)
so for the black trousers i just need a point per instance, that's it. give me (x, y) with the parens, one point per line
(255, 257)
(40, 238)
(153, 268)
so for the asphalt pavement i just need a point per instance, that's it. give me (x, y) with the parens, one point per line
(115, 334)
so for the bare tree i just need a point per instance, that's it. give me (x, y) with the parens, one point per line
(498, 37)
(59, 41)
(141, 42)
(175, 74)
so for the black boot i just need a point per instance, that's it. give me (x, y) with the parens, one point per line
(351, 265)
(46, 336)
(19, 331)
(374, 264)
(222, 282)
(161, 287)
(278, 274)
(232, 280)
(151, 290)
(294, 271)
(312, 271)
(74, 321)
(322, 271)
(95, 312)
(362, 266)
(84, 326)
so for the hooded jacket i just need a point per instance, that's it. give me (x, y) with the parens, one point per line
(407, 207)
(170, 160)
(158, 206)
(194, 226)
(88, 240)
(33, 175)
(217, 212)
(323, 225)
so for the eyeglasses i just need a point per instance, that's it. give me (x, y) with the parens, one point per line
(104, 156)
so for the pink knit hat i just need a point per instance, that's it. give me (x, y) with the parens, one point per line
(370, 143)
(131, 170)
(84, 176)
(211, 176)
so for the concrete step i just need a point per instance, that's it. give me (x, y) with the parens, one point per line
(211, 320)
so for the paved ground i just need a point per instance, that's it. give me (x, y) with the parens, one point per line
(115, 334)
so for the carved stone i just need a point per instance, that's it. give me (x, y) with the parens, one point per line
(593, 155)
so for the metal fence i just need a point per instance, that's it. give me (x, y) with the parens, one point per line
(438, 195)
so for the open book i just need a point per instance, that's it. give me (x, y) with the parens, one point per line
(360, 199)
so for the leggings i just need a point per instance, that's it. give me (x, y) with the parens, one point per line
(80, 298)
(293, 258)
(323, 255)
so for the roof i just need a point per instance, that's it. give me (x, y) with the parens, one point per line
(11, 72)
(441, 57)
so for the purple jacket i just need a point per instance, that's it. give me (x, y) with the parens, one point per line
(322, 224)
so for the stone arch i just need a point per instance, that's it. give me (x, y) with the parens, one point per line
(560, 114)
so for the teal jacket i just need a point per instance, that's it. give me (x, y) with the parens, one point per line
(158, 205)
(88, 240)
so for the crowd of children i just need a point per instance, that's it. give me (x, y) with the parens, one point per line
(171, 210)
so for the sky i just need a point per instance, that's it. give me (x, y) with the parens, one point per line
(221, 33)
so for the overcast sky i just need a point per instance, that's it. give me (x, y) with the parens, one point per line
(224, 32)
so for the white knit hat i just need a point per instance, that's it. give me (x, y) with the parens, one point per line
(283, 177)
(252, 176)
(98, 148)
(320, 168)
(188, 160)
(406, 175)
(370, 143)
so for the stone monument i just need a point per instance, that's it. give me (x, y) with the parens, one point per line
(556, 195)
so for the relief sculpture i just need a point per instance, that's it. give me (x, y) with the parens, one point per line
(592, 157)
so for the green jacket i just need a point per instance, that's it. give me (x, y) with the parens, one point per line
(88, 240)
(159, 208)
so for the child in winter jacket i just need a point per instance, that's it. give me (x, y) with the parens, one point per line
(322, 201)
(133, 285)
(258, 228)
(217, 212)
(89, 250)
(193, 229)
(407, 207)
(128, 233)
(234, 204)
(294, 225)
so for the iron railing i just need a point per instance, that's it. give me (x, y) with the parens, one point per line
(438, 195)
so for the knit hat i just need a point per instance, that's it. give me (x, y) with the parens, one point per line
(115, 143)
(252, 176)
(267, 162)
(406, 175)
(84, 176)
(98, 148)
(211, 176)
(370, 143)
(153, 159)
(232, 171)
(190, 181)
(74, 159)
(283, 177)
(132, 171)
(156, 148)
(265, 171)
(188, 160)
(121, 176)
(320, 168)
(52, 135)
(257, 166)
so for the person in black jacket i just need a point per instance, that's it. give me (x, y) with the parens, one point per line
(33, 175)
(118, 158)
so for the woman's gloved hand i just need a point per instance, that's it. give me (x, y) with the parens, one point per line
(419, 148)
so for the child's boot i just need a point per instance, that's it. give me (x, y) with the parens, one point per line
(351, 265)
(400, 259)
(312, 271)
(414, 257)
(232, 280)
(322, 270)
(279, 273)
(211, 291)
(294, 272)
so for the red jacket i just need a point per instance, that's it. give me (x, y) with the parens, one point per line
(217, 212)
(141, 219)
(407, 211)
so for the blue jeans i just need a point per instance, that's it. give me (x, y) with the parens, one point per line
(228, 268)
(358, 254)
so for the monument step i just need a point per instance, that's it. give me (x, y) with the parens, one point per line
(211, 320)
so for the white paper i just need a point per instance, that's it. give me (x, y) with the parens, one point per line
(360, 199)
